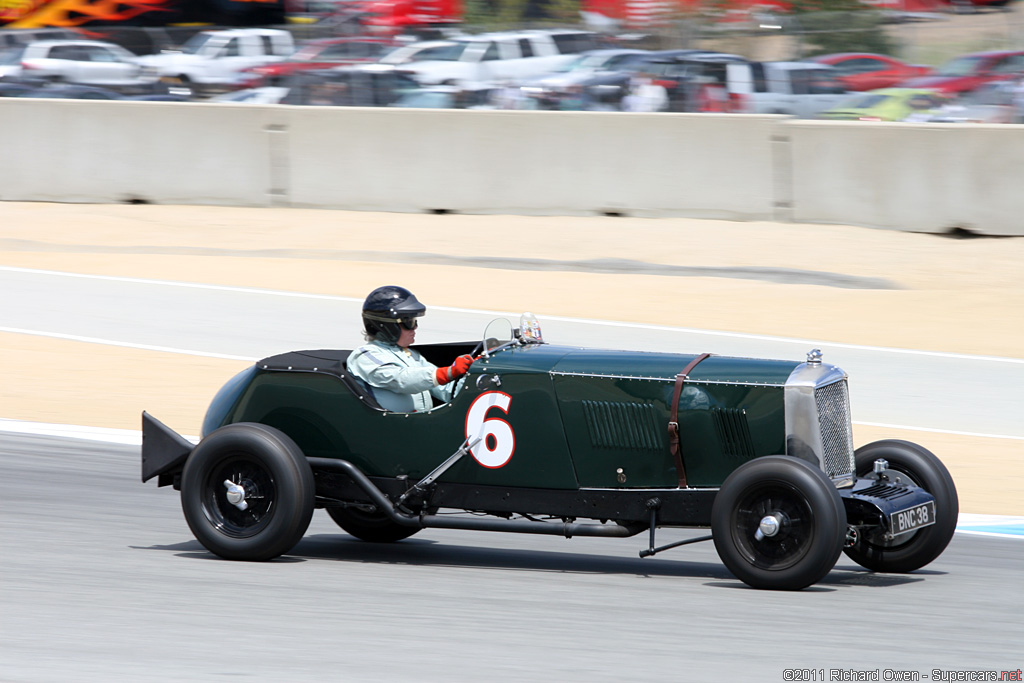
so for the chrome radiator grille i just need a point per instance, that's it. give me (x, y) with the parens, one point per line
(836, 430)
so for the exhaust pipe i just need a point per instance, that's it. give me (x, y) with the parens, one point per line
(518, 526)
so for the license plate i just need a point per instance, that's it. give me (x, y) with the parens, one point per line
(912, 518)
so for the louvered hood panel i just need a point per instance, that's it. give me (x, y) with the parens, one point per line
(615, 408)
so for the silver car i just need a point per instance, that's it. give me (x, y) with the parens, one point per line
(88, 62)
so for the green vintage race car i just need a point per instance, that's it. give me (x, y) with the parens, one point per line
(561, 440)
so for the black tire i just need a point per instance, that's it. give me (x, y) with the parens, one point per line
(807, 508)
(279, 492)
(375, 527)
(913, 550)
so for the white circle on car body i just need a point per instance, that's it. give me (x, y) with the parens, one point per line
(497, 440)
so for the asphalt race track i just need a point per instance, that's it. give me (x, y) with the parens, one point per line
(102, 581)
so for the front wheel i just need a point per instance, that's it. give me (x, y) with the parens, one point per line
(778, 523)
(912, 464)
(247, 492)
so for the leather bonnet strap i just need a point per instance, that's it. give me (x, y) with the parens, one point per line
(673, 420)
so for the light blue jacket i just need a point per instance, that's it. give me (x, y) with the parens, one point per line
(402, 380)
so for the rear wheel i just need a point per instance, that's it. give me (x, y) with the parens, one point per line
(247, 492)
(778, 523)
(375, 527)
(915, 465)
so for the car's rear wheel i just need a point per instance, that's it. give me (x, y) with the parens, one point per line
(375, 527)
(778, 523)
(247, 492)
(915, 465)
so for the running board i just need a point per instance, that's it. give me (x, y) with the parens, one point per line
(518, 526)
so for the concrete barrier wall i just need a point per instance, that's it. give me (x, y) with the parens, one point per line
(901, 176)
(916, 177)
(387, 159)
(90, 151)
(531, 162)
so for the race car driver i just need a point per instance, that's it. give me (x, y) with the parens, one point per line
(400, 378)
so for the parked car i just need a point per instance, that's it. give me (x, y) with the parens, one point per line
(321, 54)
(15, 89)
(266, 94)
(582, 68)
(680, 72)
(604, 59)
(215, 60)
(993, 102)
(794, 88)
(71, 91)
(691, 78)
(10, 62)
(85, 62)
(366, 85)
(65, 91)
(16, 37)
(567, 441)
(446, 97)
(860, 71)
(968, 72)
(492, 57)
(887, 104)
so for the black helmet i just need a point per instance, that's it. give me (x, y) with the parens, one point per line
(388, 309)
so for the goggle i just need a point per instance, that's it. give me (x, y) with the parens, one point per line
(408, 323)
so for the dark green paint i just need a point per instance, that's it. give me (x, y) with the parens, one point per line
(579, 415)
(326, 420)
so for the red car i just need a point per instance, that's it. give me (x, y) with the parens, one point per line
(967, 72)
(860, 71)
(321, 54)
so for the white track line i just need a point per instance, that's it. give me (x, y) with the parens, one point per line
(126, 345)
(584, 321)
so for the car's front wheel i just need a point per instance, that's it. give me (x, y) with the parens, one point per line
(778, 523)
(247, 492)
(916, 465)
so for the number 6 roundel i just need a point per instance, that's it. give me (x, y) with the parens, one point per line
(497, 440)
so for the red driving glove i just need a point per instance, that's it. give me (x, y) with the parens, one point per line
(456, 370)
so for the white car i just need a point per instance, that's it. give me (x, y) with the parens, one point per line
(585, 65)
(87, 62)
(492, 57)
(802, 89)
(994, 102)
(268, 94)
(217, 58)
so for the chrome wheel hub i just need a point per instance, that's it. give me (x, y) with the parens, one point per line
(236, 495)
(768, 527)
